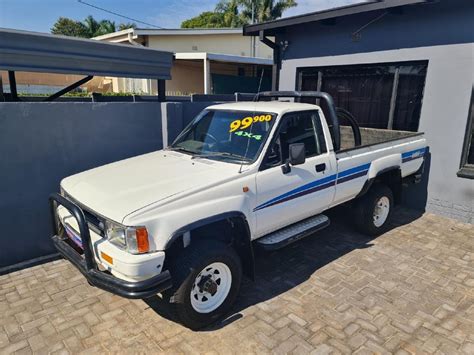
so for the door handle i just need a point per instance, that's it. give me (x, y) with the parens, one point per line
(320, 167)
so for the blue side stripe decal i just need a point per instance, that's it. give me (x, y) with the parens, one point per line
(332, 180)
(351, 171)
(302, 193)
(414, 154)
(352, 176)
(297, 191)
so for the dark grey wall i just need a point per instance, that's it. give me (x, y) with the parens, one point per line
(432, 24)
(191, 109)
(179, 114)
(41, 143)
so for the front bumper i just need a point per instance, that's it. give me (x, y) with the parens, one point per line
(87, 265)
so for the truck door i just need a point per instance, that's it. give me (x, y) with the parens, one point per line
(306, 190)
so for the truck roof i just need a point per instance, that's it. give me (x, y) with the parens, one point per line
(278, 107)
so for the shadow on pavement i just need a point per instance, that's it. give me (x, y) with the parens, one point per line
(279, 271)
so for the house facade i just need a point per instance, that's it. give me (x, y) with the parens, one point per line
(398, 64)
(210, 40)
(207, 61)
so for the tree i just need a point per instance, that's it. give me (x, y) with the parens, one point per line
(264, 10)
(67, 27)
(89, 28)
(207, 19)
(236, 13)
(92, 26)
(105, 26)
(230, 12)
(124, 26)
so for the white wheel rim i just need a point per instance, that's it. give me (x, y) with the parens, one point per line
(211, 287)
(382, 208)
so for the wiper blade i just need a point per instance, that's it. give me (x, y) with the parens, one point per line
(180, 149)
(221, 154)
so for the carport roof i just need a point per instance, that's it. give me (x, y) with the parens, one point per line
(226, 58)
(39, 52)
(272, 27)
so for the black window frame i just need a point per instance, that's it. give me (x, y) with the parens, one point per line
(393, 105)
(466, 170)
(322, 146)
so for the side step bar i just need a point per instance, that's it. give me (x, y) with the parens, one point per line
(292, 233)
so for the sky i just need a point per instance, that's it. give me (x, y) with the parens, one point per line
(40, 15)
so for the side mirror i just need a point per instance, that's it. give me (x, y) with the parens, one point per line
(297, 156)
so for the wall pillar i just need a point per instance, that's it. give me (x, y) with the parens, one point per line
(161, 90)
(207, 76)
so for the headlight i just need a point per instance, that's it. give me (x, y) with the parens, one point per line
(132, 239)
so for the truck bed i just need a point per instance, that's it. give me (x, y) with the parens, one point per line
(371, 136)
(380, 148)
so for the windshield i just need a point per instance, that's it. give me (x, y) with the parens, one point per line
(226, 135)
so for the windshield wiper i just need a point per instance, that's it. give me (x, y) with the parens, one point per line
(221, 154)
(181, 149)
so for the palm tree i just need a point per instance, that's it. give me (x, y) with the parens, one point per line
(105, 26)
(236, 13)
(92, 26)
(230, 13)
(264, 10)
(124, 26)
(95, 28)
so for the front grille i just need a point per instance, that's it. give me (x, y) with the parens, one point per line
(94, 220)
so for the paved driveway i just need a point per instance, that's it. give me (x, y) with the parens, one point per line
(410, 290)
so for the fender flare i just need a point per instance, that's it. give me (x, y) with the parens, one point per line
(369, 182)
(245, 250)
(208, 220)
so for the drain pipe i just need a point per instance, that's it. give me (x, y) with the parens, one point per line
(132, 41)
(276, 59)
(135, 43)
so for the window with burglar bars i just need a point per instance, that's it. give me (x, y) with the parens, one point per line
(385, 95)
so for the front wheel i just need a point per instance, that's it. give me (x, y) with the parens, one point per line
(373, 211)
(207, 278)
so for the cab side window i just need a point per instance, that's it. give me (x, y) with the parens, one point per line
(299, 127)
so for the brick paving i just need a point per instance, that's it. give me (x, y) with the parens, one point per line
(410, 290)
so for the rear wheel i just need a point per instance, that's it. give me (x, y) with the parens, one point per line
(373, 211)
(207, 278)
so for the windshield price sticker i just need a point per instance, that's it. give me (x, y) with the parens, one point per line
(248, 121)
(249, 135)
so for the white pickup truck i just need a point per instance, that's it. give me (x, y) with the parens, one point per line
(184, 221)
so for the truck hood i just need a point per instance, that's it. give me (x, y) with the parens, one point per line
(118, 189)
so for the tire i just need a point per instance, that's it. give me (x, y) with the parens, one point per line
(373, 211)
(203, 292)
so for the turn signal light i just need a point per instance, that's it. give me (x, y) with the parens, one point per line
(143, 245)
(107, 258)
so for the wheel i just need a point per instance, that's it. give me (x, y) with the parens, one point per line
(374, 210)
(207, 278)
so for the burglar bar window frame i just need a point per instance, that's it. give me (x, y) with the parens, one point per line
(466, 170)
(394, 95)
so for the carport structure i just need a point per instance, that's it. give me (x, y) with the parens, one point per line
(37, 52)
(220, 61)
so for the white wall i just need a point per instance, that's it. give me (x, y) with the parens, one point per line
(444, 114)
(234, 44)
